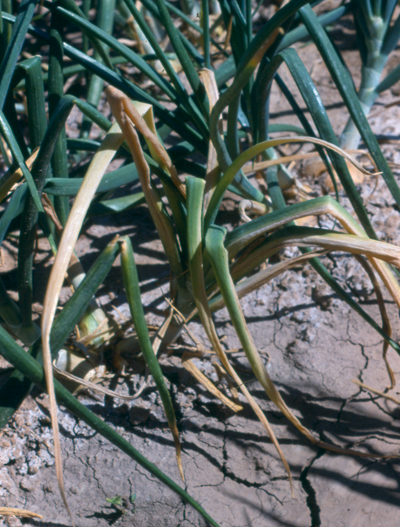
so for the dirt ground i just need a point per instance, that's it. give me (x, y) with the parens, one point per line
(313, 345)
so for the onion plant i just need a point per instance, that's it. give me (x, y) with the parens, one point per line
(378, 34)
(219, 119)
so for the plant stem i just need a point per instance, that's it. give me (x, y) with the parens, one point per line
(371, 73)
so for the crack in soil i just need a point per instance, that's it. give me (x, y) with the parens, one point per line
(228, 474)
(373, 399)
(360, 378)
(311, 500)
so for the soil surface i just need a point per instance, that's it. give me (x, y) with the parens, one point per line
(313, 346)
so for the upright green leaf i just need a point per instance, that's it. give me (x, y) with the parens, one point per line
(22, 21)
(345, 87)
(59, 161)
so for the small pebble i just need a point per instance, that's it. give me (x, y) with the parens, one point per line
(28, 483)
